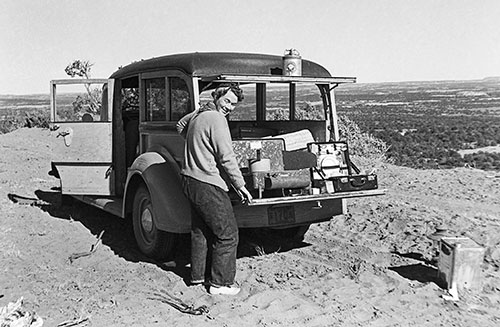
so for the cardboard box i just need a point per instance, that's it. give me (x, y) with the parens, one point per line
(459, 264)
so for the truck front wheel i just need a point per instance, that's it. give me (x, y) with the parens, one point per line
(151, 241)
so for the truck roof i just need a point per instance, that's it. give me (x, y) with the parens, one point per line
(215, 63)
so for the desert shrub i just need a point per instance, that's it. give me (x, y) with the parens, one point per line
(15, 119)
(483, 160)
(361, 143)
(130, 98)
(306, 111)
(309, 112)
(40, 119)
(68, 114)
(91, 102)
(8, 125)
(278, 114)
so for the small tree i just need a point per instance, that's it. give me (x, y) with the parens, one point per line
(92, 101)
(79, 68)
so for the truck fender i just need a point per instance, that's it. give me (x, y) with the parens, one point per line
(161, 175)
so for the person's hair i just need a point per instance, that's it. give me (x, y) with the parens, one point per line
(222, 90)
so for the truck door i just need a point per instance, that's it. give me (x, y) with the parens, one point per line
(82, 135)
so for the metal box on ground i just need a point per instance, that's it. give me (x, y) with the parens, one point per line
(459, 263)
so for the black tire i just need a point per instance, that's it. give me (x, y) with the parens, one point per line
(154, 243)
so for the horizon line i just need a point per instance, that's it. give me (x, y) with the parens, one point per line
(493, 78)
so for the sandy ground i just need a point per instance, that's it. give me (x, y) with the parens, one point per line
(370, 267)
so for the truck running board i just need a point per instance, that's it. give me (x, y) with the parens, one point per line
(113, 205)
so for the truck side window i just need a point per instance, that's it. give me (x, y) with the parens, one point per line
(179, 98)
(155, 99)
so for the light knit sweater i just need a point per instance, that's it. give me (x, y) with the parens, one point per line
(208, 152)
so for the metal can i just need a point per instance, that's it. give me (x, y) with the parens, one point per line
(292, 63)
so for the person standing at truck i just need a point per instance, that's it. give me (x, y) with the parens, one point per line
(209, 169)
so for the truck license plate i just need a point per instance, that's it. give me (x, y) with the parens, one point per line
(281, 215)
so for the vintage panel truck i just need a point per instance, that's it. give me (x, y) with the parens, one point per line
(116, 145)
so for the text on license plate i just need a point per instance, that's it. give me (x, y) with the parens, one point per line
(281, 215)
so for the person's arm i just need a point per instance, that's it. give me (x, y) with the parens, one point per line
(244, 194)
(182, 124)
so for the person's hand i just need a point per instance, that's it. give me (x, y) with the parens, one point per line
(245, 195)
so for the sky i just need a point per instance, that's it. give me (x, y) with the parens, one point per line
(373, 40)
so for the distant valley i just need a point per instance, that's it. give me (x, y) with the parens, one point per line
(430, 124)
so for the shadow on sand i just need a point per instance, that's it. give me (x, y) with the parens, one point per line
(425, 272)
(118, 235)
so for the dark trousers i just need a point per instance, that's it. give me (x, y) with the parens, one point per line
(214, 232)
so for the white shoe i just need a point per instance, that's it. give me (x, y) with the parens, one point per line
(224, 290)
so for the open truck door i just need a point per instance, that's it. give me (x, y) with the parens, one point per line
(81, 113)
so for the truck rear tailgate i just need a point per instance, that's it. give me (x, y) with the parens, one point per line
(316, 197)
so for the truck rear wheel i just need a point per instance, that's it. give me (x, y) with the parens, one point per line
(153, 242)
